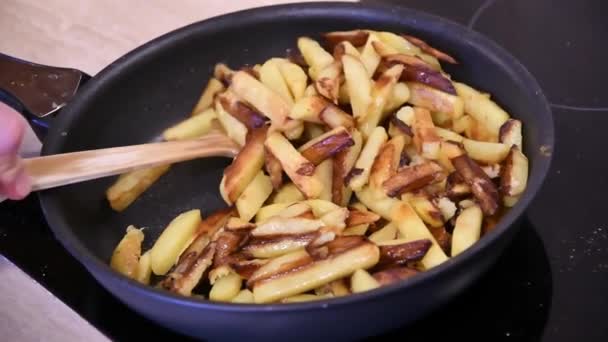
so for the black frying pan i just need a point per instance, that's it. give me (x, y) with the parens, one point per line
(156, 85)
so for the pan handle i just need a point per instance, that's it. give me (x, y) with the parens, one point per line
(37, 91)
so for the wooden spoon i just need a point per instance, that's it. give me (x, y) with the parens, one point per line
(68, 168)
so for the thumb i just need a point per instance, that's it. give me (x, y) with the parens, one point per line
(12, 128)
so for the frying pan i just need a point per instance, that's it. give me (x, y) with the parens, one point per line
(132, 100)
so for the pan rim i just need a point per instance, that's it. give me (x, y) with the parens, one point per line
(98, 268)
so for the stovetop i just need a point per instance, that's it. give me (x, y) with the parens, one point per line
(550, 285)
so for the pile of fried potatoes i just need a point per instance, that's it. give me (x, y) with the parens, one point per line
(362, 163)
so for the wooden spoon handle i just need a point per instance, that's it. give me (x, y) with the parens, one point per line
(68, 168)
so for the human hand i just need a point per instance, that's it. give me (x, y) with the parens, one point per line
(14, 181)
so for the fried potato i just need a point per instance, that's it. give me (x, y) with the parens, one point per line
(510, 133)
(280, 265)
(144, 270)
(126, 255)
(321, 207)
(398, 43)
(234, 129)
(240, 111)
(359, 229)
(427, 210)
(282, 225)
(270, 210)
(254, 196)
(223, 73)
(344, 161)
(514, 178)
(288, 193)
(402, 252)
(324, 173)
(381, 91)
(448, 135)
(435, 100)
(429, 49)
(485, 152)
(271, 77)
(412, 228)
(316, 57)
(274, 169)
(359, 85)
(387, 233)
(226, 288)
(377, 201)
(298, 168)
(320, 272)
(244, 167)
(481, 185)
(309, 108)
(412, 178)
(366, 159)
(416, 70)
(353, 37)
(261, 98)
(382, 168)
(214, 87)
(335, 218)
(295, 77)
(467, 229)
(193, 127)
(334, 117)
(482, 109)
(272, 247)
(399, 96)
(369, 57)
(328, 81)
(311, 91)
(326, 145)
(298, 209)
(172, 240)
(129, 186)
(344, 48)
(243, 297)
(425, 137)
(362, 281)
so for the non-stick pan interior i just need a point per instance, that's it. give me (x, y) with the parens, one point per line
(139, 95)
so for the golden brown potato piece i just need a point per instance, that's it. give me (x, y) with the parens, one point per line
(344, 48)
(309, 108)
(226, 288)
(276, 246)
(295, 77)
(335, 266)
(240, 111)
(186, 276)
(425, 137)
(287, 225)
(357, 217)
(288, 193)
(383, 167)
(245, 166)
(481, 185)
(328, 81)
(362, 281)
(280, 265)
(401, 253)
(254, 196)
(429, 49)
(324, 173)
(298, 168)
(435, 100)
(400, 95)
(314, 55)
(482, 109)
(234, 129)
(354, 37)
(359, 85)
(426, 209)
(456, 187)
(271, 77)
(510, 133)
(393, 275)
(261, 98)
(369, 57)
(129, 186)
(412, 178)
(343, 164)
(514, 178)
(223, 73)
(381, 91)
(366, 159)
(274, 169)
(192, 127)
(486, 152)
(416, 70)
(326, 145)
(335, 117)
(214, 87)
(467, 229)
(412, 228)
(387, 233)
(173, 240)
(125, 258)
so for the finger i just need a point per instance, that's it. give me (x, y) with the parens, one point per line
(15, 183)
(13, 128)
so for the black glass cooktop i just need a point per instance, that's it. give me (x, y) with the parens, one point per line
(552, 282)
